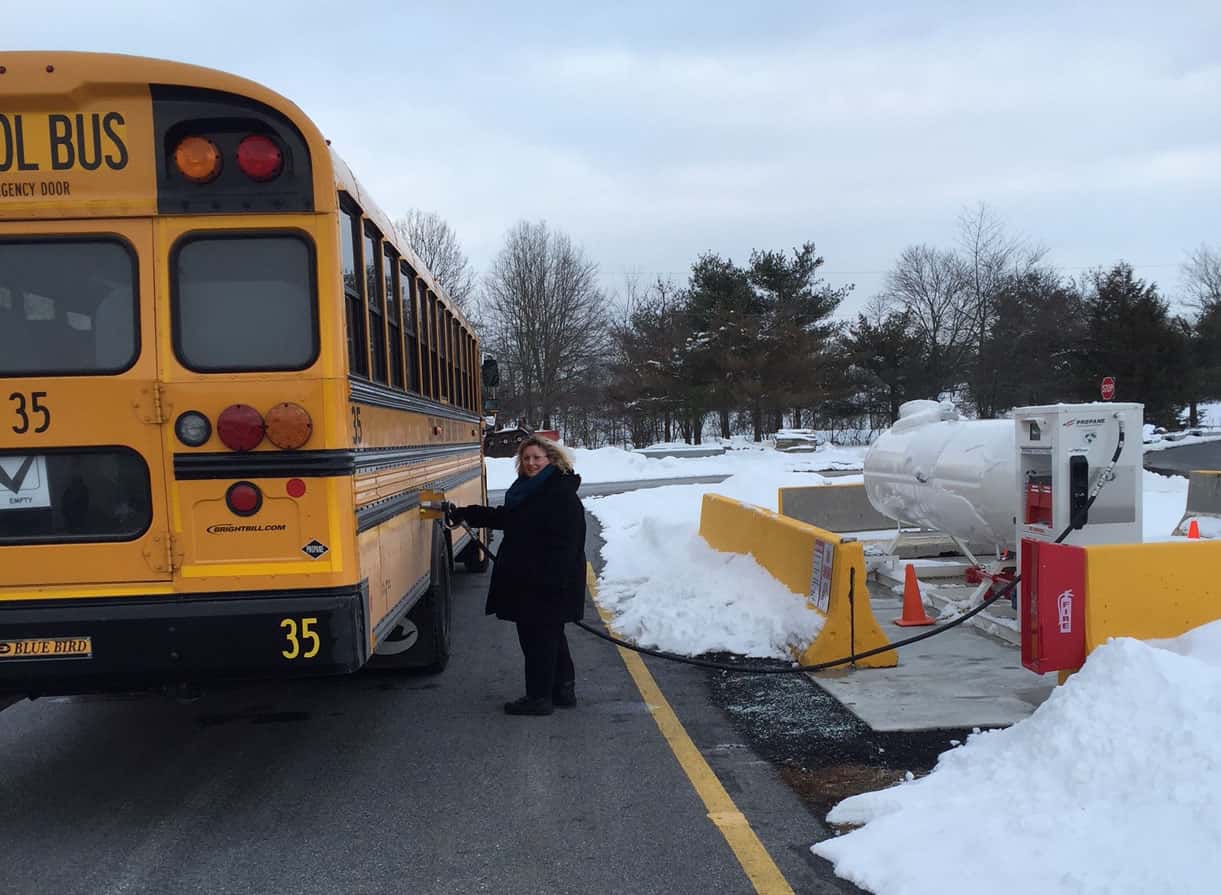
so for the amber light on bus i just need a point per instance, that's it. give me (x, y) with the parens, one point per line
(289, 426)
(260, 158)
(240, 427)
(198, 159)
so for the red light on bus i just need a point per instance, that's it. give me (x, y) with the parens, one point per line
(240, 427)
(198, 159)
(295, 487)
(289, 426)
(260, 158)
(244, 498)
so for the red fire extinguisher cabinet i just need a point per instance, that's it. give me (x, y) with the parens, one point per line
(1052, 606)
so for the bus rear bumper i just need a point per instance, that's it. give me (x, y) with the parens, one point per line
(141, 643)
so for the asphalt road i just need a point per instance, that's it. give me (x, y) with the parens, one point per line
(1182, 460)
(390, 783)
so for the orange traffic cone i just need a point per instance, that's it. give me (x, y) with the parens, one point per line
(1193, 530)
(913, 607)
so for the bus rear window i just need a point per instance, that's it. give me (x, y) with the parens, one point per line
(244, 302)
(67, 307)
(60, 496)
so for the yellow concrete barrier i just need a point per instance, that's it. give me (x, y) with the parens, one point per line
(1150, 590)
(811, 561)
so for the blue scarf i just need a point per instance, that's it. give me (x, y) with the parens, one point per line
(525, 488)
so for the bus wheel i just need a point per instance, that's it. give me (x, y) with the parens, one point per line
(474, 559)
(421, 640)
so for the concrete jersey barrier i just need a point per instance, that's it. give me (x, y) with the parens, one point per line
(1203, 503)
(833, 507)
(810, 561)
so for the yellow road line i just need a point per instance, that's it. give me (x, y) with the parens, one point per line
(758, 865)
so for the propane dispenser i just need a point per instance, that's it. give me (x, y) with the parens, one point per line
(1064, 455)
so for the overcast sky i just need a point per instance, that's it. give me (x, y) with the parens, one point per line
(652, 132)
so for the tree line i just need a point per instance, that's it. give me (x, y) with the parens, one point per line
(750, 348)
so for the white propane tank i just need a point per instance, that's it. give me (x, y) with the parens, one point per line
(938, 471)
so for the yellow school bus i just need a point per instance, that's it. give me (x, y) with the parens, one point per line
(224, 385)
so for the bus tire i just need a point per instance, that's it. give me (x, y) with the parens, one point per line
(474, 559)
(428, 621)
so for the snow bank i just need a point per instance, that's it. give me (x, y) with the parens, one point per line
(666, 588)
(1112, 786)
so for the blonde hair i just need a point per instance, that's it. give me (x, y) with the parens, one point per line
(556, 455)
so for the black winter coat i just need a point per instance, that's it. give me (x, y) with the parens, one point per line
(539, 573)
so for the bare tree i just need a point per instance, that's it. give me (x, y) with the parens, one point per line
(933, 287)
(436, 244)
(991, 260)
(1200, 276)
(991, 257)
(545, 314)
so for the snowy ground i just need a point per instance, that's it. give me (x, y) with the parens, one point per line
(1112, 786)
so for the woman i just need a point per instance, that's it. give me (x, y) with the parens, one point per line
(538, 580)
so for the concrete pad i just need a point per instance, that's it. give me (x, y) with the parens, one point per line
(660, 453)
(960, 679)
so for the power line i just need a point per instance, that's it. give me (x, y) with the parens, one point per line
(868, 273)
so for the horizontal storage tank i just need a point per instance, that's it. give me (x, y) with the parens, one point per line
(936, 470)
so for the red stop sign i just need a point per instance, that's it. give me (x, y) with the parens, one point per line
(1108, 388)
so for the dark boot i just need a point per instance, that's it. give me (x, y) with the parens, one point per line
(528, 706)
(565, 695)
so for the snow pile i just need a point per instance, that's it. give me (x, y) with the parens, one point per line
(666, 588)
(1112, 786)
(1163, 501)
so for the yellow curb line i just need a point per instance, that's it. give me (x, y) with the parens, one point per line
(758, 865)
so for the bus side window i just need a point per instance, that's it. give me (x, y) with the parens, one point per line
(434, 346)
(358, 358)
(451, 352)
(466, 371)
(410, 327)
(373, 292)
(446, 392)
(394, 316)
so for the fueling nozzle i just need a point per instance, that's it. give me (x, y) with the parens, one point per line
(433, 505)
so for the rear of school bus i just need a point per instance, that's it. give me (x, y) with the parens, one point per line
(175, 465)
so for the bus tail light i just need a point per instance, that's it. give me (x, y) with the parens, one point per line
(193, 428)
(198, 159)
(260, 158)
(244, 498)
(240, 427)
(289, 426)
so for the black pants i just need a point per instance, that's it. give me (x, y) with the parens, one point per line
(548, 662)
